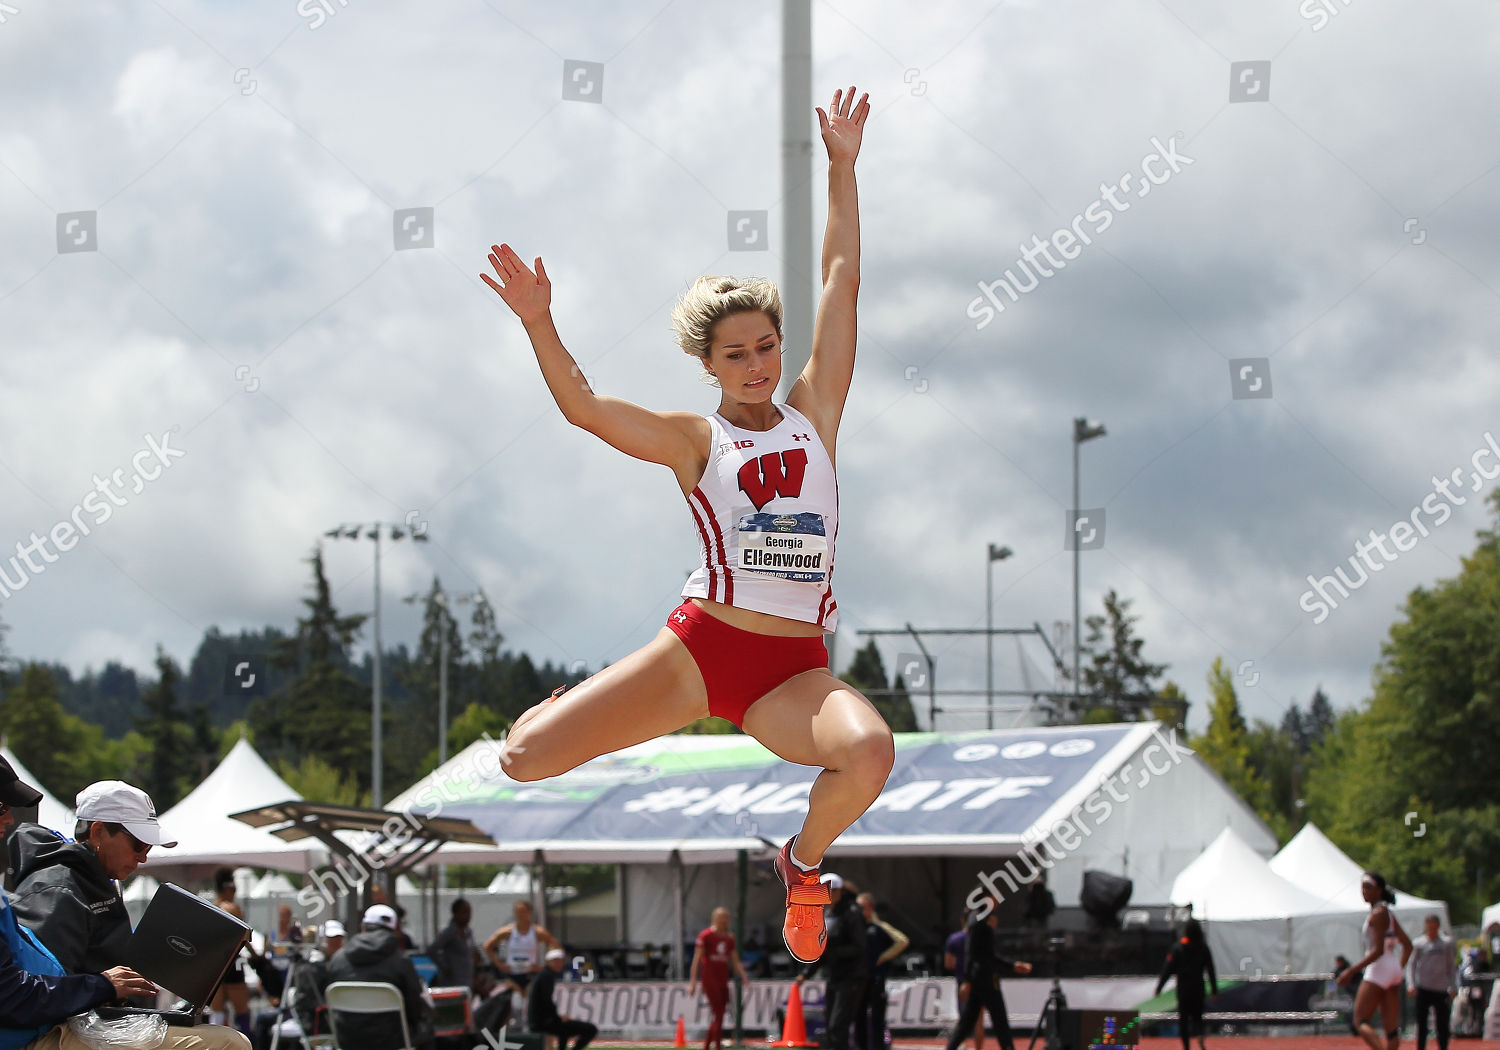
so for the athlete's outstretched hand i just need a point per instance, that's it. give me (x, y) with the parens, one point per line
(528, 294)
(842, 131)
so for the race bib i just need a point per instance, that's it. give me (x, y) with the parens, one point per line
(789, 546)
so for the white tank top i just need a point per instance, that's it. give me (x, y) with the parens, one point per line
(520, 948)
(767, 515)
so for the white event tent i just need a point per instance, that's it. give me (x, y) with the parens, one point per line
(1311, 860)
(50, 812)
(207, 836)
(1258, 922)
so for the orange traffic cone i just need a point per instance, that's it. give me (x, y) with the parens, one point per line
(680, 1039)
(794, 1030)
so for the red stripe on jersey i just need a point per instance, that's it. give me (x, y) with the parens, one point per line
(713, 584)
(723, 555)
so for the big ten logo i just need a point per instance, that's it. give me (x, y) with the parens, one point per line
(413, 228)
(747, 231)
(1250, 377)
(77, 231)
(583, 81)
(1249, 81)
(1084, 529)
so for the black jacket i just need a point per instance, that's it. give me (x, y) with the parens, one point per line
(981, 964)
(1191, 963)
(541, 1009)
(376, 955)
(29, 1000)
(844, 952)
(66, 898)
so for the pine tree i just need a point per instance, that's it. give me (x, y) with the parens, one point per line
(1225, 746)
(1117, 677)
(324, 711)
(168, 737)
(1319, 718)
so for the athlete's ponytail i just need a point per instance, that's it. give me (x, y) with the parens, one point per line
(1386, 893)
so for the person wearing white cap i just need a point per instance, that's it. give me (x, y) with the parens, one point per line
(375, 954)
(66, 892)
(37, 997)
(541, 1009)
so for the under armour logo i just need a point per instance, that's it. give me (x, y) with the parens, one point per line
(680, 616)
(800, 437)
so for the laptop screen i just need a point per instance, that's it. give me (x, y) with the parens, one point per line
(184, 943)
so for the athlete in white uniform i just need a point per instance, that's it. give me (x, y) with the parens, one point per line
(1382, 964)
(522, 939)
(747, 642)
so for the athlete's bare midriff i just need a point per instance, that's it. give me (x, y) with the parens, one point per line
(758, 622)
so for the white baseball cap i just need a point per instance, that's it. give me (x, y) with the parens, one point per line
(333, 928)
(115, 801)
(380, 915)
(832, 881)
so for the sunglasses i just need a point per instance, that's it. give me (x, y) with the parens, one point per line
(135, 844)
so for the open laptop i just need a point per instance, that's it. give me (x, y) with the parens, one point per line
(185, 945)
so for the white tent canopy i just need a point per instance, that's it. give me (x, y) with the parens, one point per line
(1311, 860)
(202, 825)
(50, 812)
(1258, 922)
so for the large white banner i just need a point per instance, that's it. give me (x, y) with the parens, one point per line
(922, 1002)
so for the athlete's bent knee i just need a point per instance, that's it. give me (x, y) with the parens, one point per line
(870, 755)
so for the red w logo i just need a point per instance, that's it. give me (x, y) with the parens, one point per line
(774, 474)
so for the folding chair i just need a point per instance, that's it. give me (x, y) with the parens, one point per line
(365, 997)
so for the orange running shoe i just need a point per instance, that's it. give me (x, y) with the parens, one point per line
(806, 898)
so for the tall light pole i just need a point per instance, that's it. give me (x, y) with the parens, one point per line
(478, 598)
(1083, 431)
(372, 531)
(800, 267)
(995, 554)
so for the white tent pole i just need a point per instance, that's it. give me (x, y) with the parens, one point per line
(539, 879)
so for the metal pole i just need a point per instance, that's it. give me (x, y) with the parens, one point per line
(441, 875)
(677, 916)
(989, 637)
(1073, 524)
(376, 798)
(742, 883)
(799, 265)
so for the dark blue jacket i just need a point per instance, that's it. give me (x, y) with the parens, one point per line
(29, 1001)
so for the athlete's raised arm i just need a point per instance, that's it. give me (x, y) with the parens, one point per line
(820, 391)
(676, 439)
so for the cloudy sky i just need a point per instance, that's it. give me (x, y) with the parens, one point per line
(199, 212)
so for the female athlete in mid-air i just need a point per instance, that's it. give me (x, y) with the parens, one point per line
(746, 644)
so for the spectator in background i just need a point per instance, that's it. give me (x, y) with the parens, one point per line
(1040, 903)
(374, 954)
(1432, 979)
(844, 959)
(982, 968)
(541, 1007)
(953, 961)
(1190, 962)
(713, 956)
(453, 951)
(66, 892)
(233, 991)
(883, 943)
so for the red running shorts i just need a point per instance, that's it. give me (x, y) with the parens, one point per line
(738, 666)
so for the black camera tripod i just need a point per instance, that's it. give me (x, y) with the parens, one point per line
(1050, 1019)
